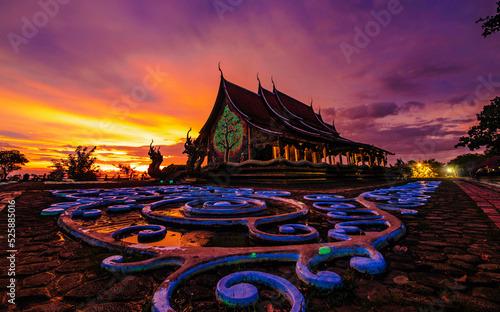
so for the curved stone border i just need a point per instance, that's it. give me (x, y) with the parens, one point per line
(145, 232)
(234, 290)
(225, 206)
(362, 249)
(351, 215)
(328, 198)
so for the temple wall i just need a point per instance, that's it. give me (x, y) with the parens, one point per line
(228, 138)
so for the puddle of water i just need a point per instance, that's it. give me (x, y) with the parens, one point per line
(196, 239)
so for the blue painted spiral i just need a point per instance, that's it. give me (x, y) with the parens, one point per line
(235, 290)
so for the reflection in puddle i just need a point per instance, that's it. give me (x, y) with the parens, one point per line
(173, 212)
(196, 239)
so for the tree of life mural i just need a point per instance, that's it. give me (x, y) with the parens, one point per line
(228, 134)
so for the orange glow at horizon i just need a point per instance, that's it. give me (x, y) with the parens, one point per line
(44, 130)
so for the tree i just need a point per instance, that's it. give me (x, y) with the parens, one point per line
(228, 134)
(491, 23)
(80, 167)
(11, 161)
(487, 132)
(58, 173)
(429, 168)
(400, 169)
(127, 170)
(467, 164)
(437, 168)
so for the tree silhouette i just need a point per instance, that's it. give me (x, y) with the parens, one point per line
(487, 132)
(491, 23)
(10, 161)
(467, 164)
(127, 170)
(228, 134)
(58, 173)
(81, 166)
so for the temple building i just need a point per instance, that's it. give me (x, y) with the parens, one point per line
(246, 126)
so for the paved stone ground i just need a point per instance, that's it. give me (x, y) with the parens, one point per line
(6, 197)
(486, 195)
(449, 260)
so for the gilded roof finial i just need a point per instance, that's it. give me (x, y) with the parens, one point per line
(221, 74)
(258, 78)
(274, 87)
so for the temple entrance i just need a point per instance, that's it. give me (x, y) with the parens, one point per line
(294, 154)
(263, 153)
(308, 155)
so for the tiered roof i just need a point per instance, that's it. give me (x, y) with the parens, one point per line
(277, 113)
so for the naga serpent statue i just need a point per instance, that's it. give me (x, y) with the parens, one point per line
(196, 155)
(156, 160)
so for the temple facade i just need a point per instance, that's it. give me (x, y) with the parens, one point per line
(267, 125)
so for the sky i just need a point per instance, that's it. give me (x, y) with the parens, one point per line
(408, 76)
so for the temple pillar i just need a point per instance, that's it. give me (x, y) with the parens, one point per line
(348, 156)
(296, 154)
(384, 159)
(276, 152)
(332, 159)
(362, 156)
(340, 158)
(287, 152)
(314, 157)
(370, 162)
(324, 154)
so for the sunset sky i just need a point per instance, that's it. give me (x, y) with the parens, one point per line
(408, 78)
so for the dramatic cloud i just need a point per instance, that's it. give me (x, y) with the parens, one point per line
(412, 77)
(11, 134)
(458, 99)
(411, 105)
(142, 70)
(374, 110)
(329, 111)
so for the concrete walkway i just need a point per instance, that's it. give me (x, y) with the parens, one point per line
(486, 194)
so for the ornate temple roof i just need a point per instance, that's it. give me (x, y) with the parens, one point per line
(277, 113)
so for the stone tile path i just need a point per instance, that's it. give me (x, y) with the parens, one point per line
(486, 195)
(6, 197)
(448, 261)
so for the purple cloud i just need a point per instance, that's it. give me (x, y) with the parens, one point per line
(411, 105)
(412, 76)
(373, 110)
